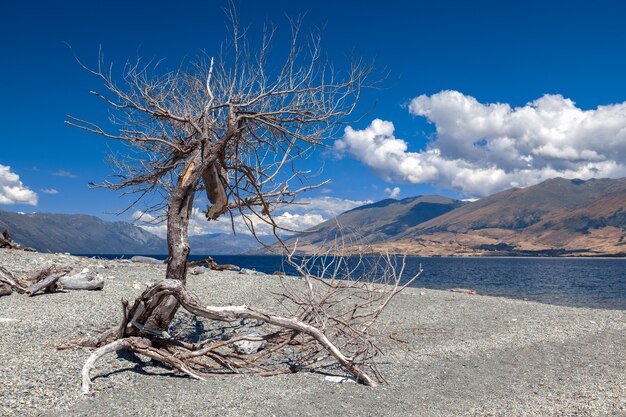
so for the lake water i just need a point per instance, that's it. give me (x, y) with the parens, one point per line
(575, 282)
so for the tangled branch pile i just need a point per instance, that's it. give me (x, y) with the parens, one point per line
(327, 319)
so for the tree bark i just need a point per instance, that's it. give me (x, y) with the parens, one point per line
(178, 216)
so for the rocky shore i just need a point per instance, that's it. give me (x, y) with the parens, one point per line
(449, 354)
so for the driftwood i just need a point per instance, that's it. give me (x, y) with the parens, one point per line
(46, 280)
(464, 291)
(211, 264)
(5, 289)
(84, 280)
(50, 279)
(10, 282)
(292, 326)
(322, 323)
(7, 243)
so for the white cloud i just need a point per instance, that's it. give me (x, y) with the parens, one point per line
(481, 148)
(50, 191)
(298, 217)
(63, 173)
(12, 191)
(326, 206)
(393, 193)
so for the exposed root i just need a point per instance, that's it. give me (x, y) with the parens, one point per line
(326, 324)
(91, 361)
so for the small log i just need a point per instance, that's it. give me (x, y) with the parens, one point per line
(211, 264)
(81, 281)
(146, 260)
(46, 280)
(464, 291)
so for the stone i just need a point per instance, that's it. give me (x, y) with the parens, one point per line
(146, 260)
(339, 379)
(246, 271)
(198, 270)
(248, 347)
(464, 291)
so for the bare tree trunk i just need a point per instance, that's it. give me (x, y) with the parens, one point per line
(178, 216)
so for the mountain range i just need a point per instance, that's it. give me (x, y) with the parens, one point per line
(556, 217)
(83, 234)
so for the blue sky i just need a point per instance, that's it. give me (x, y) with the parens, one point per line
(461, 58)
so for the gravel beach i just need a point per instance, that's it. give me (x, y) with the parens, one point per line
(454, 354)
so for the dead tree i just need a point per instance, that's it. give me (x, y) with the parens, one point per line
(326, 318)
(234, 126)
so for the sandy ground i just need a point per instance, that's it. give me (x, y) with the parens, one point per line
(464, 355)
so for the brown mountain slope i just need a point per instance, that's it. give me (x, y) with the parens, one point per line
(373, 223)
(520, 208)
(558, 216)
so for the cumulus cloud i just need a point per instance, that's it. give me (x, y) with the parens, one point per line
(393, 193)
(308, 213)
(479, 149)
(12, 191)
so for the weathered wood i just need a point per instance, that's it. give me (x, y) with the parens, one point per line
(176, 289)
(464, 291)
(5, 289)
(6, 241)
(91, 361)
(46, 280)
(146, 260)
(7, 278)
(214, 186)
(211, 264)
(81, 281)
(138, 345)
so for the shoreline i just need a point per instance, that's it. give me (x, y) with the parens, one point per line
(107, 256)
(460, 355)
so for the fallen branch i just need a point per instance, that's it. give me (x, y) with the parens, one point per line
(46, 280)
(211, 264)
(323, 322)
(10, 281)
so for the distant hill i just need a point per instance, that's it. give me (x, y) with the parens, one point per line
(556, 217)
(377, 222)
(520, 208)
(79, 233)
(225, 244)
